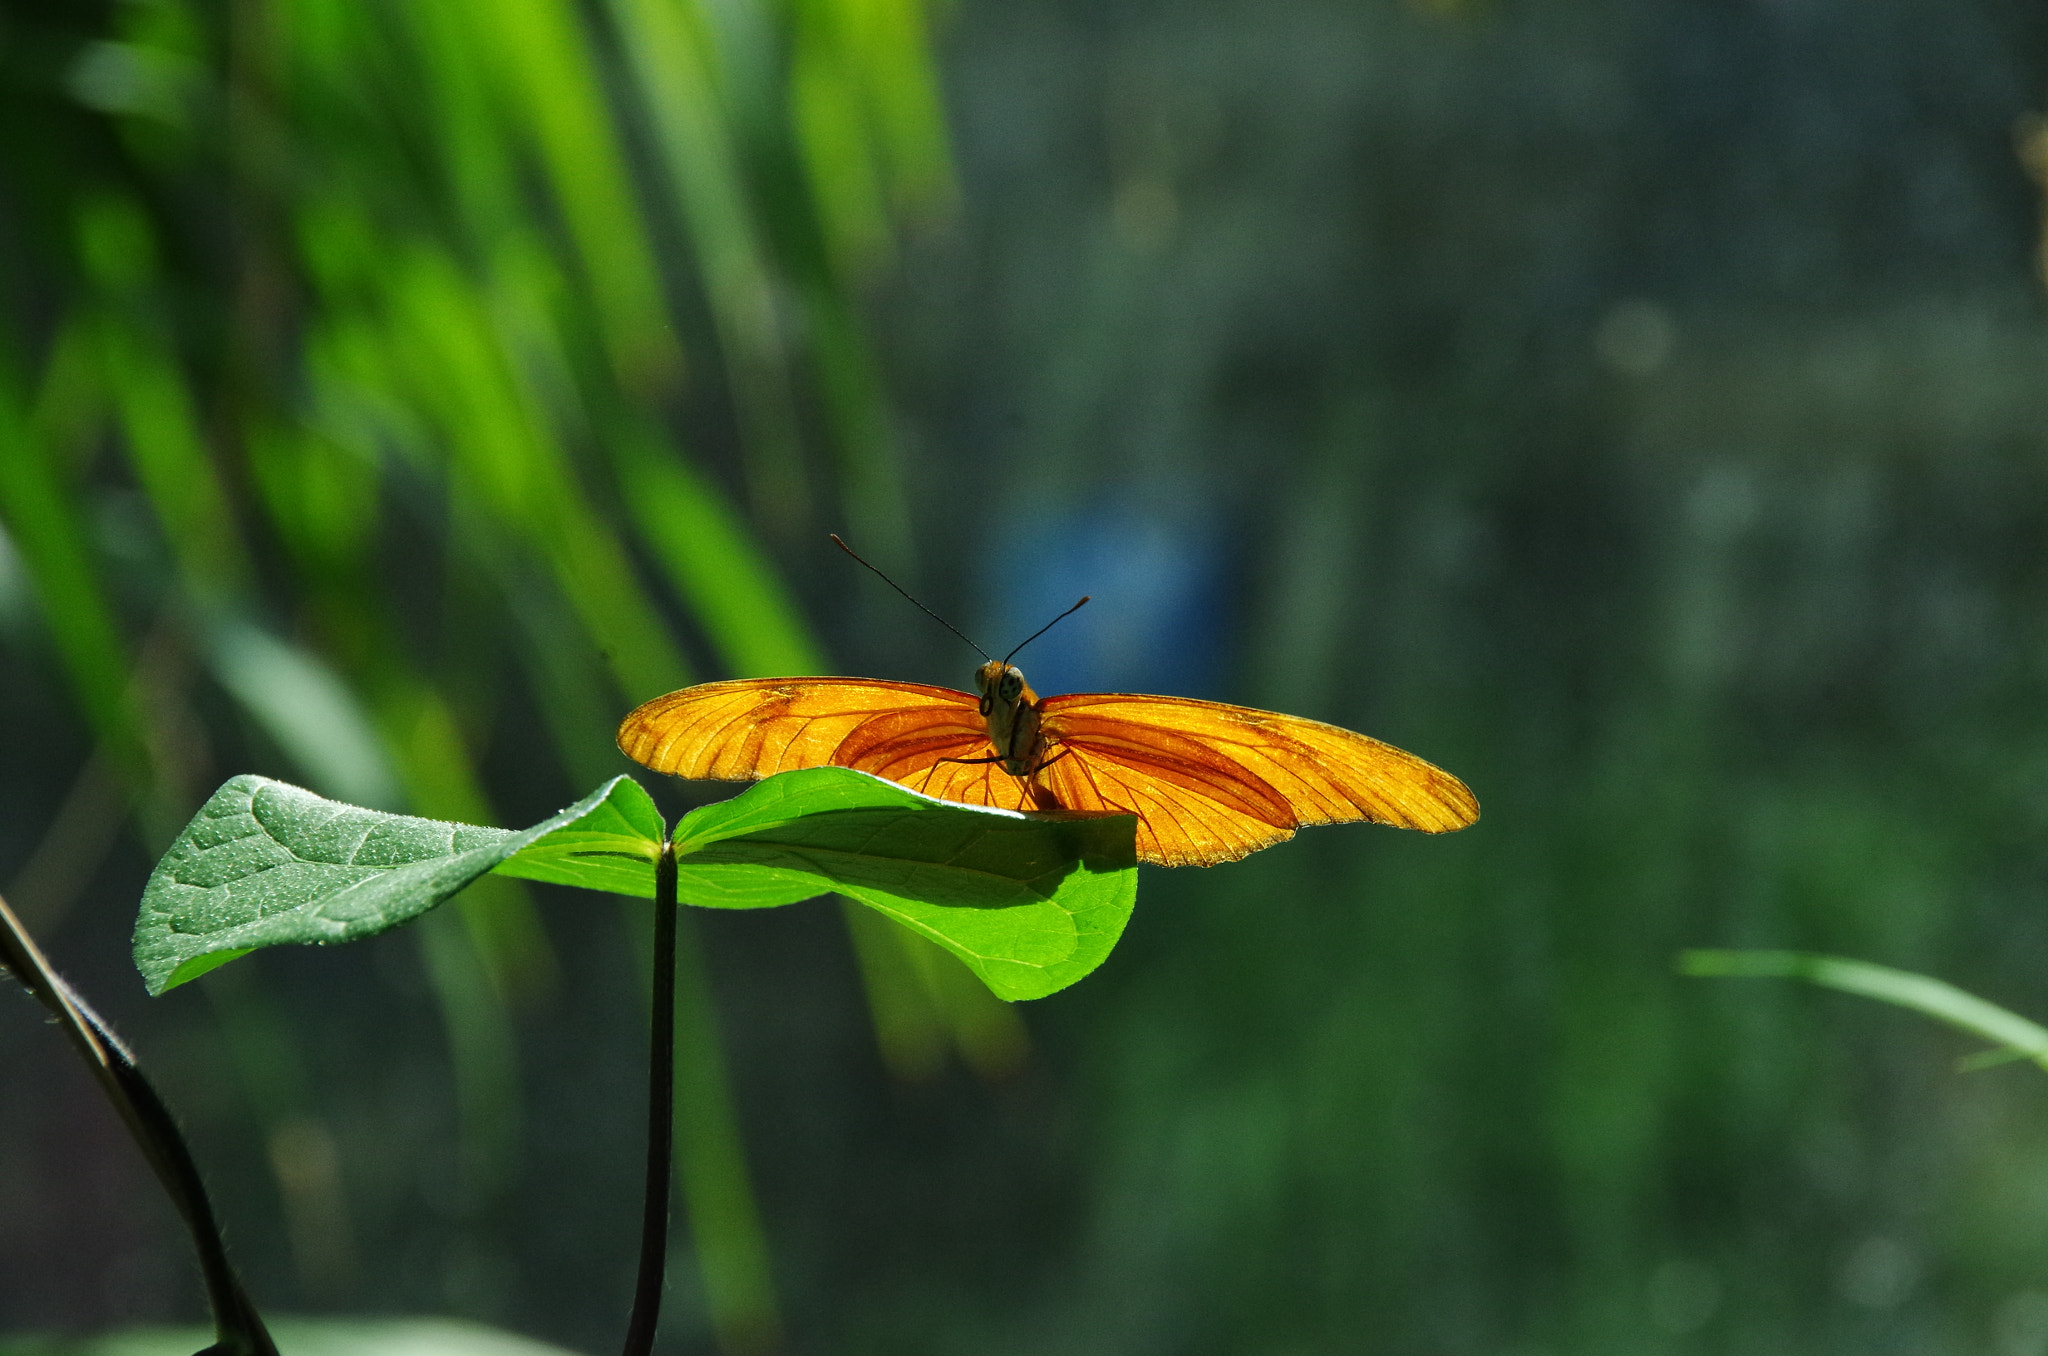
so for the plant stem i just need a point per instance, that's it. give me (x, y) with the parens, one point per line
(238, 1328)
(661, 1111)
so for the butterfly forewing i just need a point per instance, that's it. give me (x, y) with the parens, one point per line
(1321, 773)
(756, 727)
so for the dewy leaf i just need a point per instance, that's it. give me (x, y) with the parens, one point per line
(264, 863)
(1031, 903)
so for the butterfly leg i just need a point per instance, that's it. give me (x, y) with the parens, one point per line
(992, 758)
(1042, 797)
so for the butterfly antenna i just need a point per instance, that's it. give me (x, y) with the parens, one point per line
(1047, 627)
(920, 606)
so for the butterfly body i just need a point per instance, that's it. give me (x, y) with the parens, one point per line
(1209, 782)
(1010, 708)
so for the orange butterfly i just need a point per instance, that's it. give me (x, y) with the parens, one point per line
(1208, 782)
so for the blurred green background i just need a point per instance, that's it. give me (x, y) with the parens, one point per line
(1640, 409)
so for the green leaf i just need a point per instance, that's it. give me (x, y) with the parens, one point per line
(264, 863)
(2016, 1037)
(1030, 903)
(611, 848)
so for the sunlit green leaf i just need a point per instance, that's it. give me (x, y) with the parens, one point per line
(1030, 902)
(264, 863)
(611, 848)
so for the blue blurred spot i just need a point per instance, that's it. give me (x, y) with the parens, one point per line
(1155, 623)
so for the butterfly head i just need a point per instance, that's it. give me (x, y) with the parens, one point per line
(1002, 687)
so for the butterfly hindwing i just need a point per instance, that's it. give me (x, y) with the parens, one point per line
(1178, 825)
(972, 783)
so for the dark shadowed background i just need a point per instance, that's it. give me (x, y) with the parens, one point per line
(1640, 409)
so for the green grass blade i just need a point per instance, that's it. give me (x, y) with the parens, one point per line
(305, 706)
(43, 521)
(677, 77)
(503, 451)
(711, 561)
(550, 80)
(153, 402)
(482, 1054)
(2016, 1037)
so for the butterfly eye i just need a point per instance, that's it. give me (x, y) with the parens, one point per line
(1012, 685)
